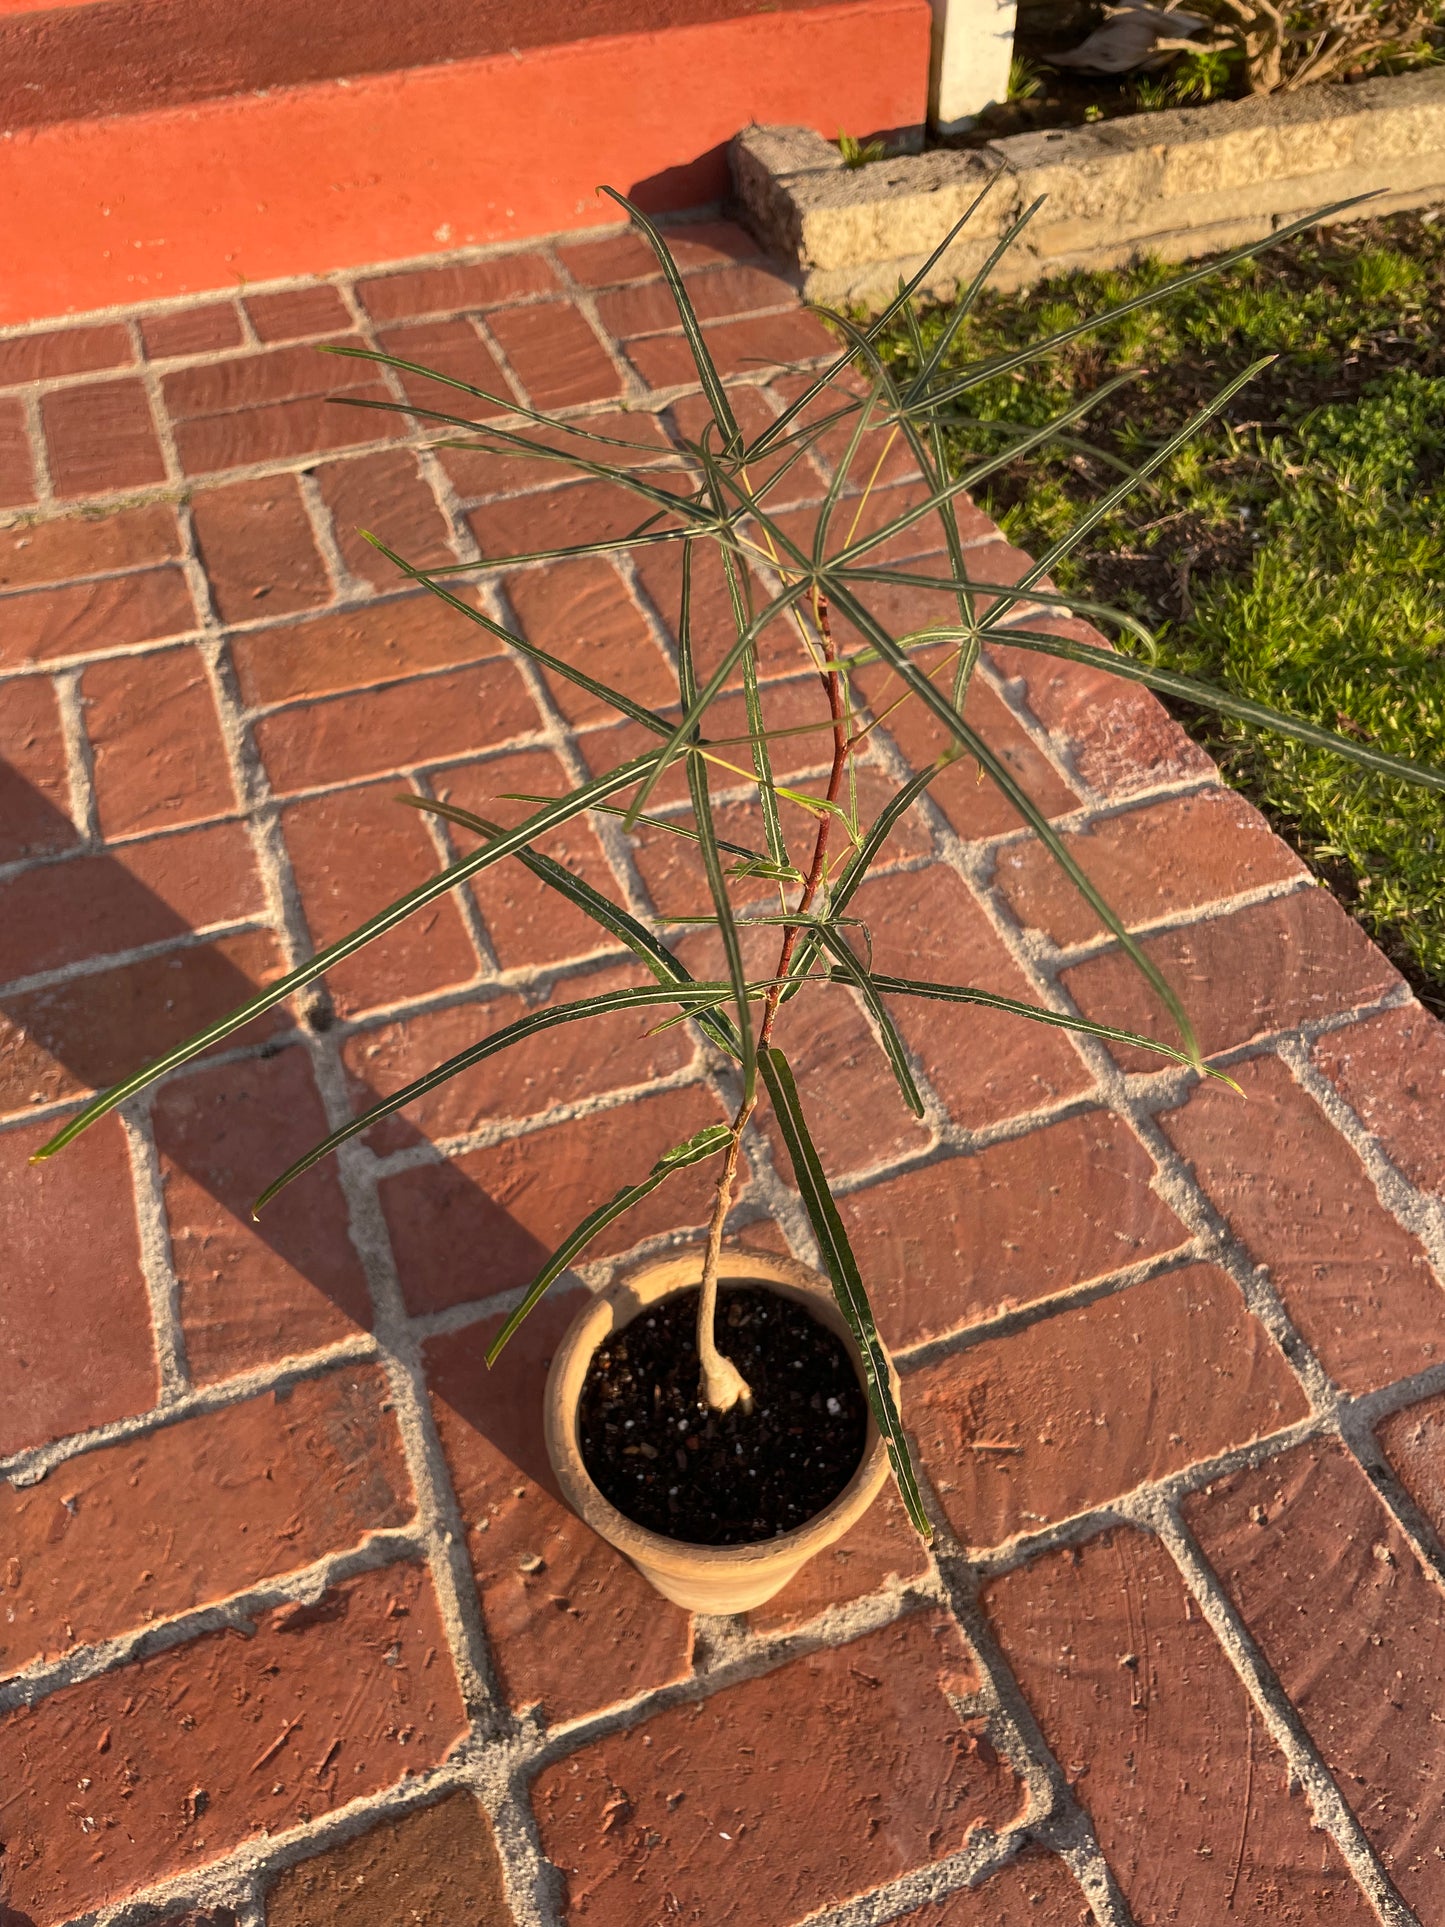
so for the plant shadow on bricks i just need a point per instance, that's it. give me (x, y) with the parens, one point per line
(249, 1293)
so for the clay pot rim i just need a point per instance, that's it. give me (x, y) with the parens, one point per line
(615, 1306)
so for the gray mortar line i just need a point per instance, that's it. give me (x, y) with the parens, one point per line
(37, 1462)
(1180, 1189)
(1052, 745)
(1013, 1318)
(438, 831)
(54, 859)
(531, 987)
(292, 705)
(1093, 811)
(346, 589)
(503, 360)
(39, 448)
(1054, 1811)
(1332, 1813)
(1422, 1535)
(378, 1548)
(367, 1229)
(267, 467)
(985, 1853)
(249, 337)
(79, 765)
(62, 1107)
(1419, 1211)
(241, 1877)
(162, 1286)
(1154, 1509)
(585, 300)
(505, 1130)
(1013, 692)
(748, 1657)
(125, 839)
(81, 659)
(1061, 957)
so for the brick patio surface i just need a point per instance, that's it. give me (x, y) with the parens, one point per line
(295, 1629)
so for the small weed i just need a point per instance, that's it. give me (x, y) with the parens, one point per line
(1384, 274)
(1202, 76)
(858, 153)
(1191, 78)
(1025, 82)
(1152, 96)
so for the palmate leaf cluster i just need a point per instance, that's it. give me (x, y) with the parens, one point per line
(723, 497)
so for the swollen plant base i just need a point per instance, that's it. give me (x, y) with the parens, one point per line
(710, 1579)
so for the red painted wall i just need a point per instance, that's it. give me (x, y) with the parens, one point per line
(391, 166)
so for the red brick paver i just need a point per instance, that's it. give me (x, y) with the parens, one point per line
(294, 1626)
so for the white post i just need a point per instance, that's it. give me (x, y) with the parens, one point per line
(972, 46)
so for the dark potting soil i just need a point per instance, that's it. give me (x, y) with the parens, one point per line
(722, 1478)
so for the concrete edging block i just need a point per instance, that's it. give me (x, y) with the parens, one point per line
(1175, 184)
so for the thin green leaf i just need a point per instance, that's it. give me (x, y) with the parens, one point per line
(869, 987)
(802, 919)
(1046, 598)
(1121, 490)
(347, 946)
(712, 384)
(632, 478)
(948, 492)
(610, 916)
(875, 329)
(705, 1145)
(841, 471)
(1019, 432)
(842, 1268)
(652, 822)
(1003, 777)
(740, 599)
(763, 765)
(816, 805)
(508, 403)
(695, 708)
(697, 780)
(964, 303)
(1038, 1013)
(740, 596)
(614, 698)
(642, 537)
(1207, 696)
(856, 870)
(933, 468)
(601, 1005)
(765, 870)
(1005, 363)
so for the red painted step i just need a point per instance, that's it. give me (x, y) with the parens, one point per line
(199, 159)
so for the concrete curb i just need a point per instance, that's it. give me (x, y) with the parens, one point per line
(1188, 182)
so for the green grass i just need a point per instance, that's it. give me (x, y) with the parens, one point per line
(1295, 551)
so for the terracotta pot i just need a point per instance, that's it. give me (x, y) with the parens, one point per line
(709, 1579)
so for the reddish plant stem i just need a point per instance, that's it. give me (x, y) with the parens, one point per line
(722, 1384)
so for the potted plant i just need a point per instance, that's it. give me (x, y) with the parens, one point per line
(718, 1415)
